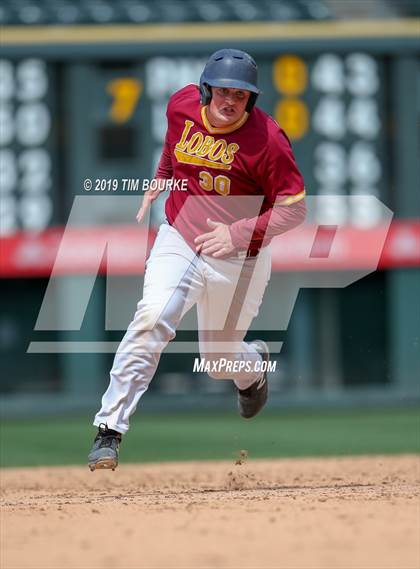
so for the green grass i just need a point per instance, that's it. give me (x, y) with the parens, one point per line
(217, 436)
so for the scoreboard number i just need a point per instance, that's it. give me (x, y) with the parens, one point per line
(31, 80)
(363, 119)
(328, 74)
(362, 76)
(293, 115)
(290, 75)
(330, 166)
(126, 92)
(329, 118)
(32, 122)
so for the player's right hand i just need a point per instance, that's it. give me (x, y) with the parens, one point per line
(148, 199)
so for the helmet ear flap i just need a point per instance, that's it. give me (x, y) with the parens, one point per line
(251, 102)
(205, 93)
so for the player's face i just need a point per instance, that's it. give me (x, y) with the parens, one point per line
(227, 105)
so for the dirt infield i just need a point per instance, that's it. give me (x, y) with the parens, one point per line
(347, 513)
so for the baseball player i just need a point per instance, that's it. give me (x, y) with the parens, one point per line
(243, 188)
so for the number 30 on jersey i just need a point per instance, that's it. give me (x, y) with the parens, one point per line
(221, 184)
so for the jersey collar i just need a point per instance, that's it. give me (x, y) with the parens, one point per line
(222, 130)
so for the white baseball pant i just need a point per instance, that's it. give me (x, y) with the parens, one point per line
(175, 279)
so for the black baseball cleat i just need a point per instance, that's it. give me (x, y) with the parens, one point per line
(104, 453)
(252, 399)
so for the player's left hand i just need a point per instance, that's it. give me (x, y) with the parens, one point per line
(216, 243)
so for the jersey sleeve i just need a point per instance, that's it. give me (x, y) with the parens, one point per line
(278, 173)
(258, 232)
(164, 169)
(284, 208)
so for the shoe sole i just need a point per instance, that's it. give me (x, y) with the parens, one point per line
(104, 464)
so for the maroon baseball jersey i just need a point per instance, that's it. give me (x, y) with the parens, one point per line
(242, 173)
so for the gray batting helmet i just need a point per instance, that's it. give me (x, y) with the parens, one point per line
(230, 68)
